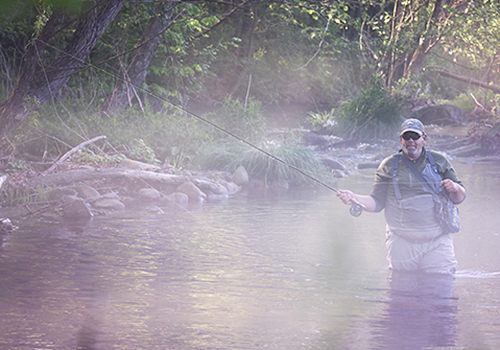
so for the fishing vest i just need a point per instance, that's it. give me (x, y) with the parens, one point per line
(414, 218)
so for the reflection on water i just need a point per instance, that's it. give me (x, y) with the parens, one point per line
(285, 271)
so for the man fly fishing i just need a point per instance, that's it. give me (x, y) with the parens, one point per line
(407, 186)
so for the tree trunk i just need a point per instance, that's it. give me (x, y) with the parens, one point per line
(426, 39)
(125, 88)
(37, 83)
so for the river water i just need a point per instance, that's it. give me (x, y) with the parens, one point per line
(288, 270)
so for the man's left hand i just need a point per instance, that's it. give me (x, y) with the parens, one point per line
(449, 185)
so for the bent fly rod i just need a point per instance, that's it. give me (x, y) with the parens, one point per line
(356, 208)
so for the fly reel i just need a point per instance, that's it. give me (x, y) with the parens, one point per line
(356, 210)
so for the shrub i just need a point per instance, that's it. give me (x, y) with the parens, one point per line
(374, 113)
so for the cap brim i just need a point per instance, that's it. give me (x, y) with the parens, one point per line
(412, 130)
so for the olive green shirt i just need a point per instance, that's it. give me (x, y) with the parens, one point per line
(409, 184)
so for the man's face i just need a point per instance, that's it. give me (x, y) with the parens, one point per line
(412, 148)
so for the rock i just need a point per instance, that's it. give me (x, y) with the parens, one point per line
(109, 204)
(332, 163)
(194, 193)
(76, 209)
(57, 194)
(111, 195)
(6, 225)
(441, 115)
(216, 197)
(240, 176)
(231, 187)
(136, 165)
(211, 186)
(155, 210)
(149, 193)
(178, 198)
(313, 139)
(86, 192)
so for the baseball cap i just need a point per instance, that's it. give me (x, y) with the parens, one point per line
(414, 125)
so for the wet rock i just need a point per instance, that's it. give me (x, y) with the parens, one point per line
(6, 225)
(149, 193)
(211, 187)
(338, 173)
(136, 165)
(194, 193)
(86, 192)
(240, 176)
(215, 196)
(231, 187)
(108, 204)
(178, 198)
(155, 210)
(332, 163)
(76, 209)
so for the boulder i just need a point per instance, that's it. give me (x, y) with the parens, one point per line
(194, 193)
(76, 209)
(178, 198)
(149, 193)
(441, 115)
(332, 163)
(86, 192)
(240, 176)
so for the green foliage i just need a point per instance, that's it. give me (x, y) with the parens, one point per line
(88, 157)
(142, 152)
(243, 121)
(374, 113)
(12, 196)
(15, 166)
(322, 122)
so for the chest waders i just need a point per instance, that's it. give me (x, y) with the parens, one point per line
(415, 240)
(414, 218)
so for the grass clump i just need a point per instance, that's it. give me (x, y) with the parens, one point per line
(228, 155)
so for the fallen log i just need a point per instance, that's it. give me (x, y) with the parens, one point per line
(78, 175)
(151, 178)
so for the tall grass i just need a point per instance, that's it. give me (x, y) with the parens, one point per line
(228, 155)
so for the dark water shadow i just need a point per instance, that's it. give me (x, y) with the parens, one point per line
(419, 313)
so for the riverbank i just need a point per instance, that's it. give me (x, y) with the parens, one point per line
(57, 188)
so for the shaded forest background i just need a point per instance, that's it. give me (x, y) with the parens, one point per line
(72, 70)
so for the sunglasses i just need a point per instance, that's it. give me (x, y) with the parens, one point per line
(410, 135)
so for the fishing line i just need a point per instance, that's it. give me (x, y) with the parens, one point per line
(356, 208)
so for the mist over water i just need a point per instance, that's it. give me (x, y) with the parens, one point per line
(289, 270)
